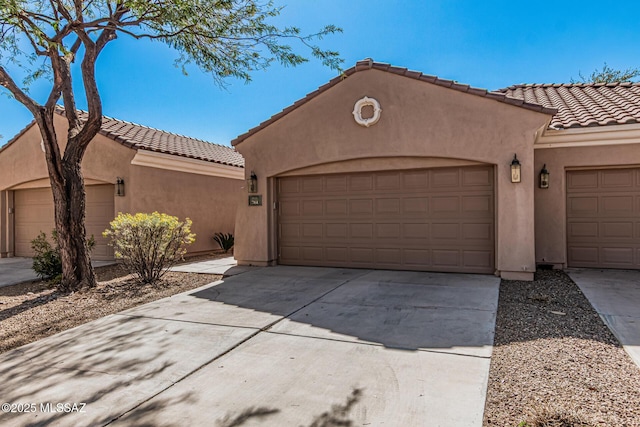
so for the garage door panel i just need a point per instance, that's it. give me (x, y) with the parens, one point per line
(617, 205)
(336, 207)
(445, 205)
(312, 208)
(482, 232)
(336, 254)
(362, 255)
(445, 178)
(388, 231)
(361, 231)
(579, 230)
(622, 257)
(415, 206)
(431, 219)
(445, 258)
(579, 255)
(617, 230)
(440, 231)
(336, 184)
(415, 230)
(360, 183)
(339, 230)
(388, 181)
(603, 207)
(415, 180)
(361, 206)
(618, 179)
(477, 259)
(290, 207)
(582, 206)
(477, 177)
(583, 180)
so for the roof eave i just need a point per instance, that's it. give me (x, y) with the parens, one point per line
(369, 64)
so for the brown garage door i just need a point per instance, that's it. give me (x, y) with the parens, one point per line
(34, 213)
(603, 218)
(429, 220)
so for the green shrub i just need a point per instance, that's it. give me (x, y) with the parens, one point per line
(46, 259)
(149, 244)
(224, 240)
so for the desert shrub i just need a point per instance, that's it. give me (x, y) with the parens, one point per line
(149, 244)
(46, 259)
(224, 240)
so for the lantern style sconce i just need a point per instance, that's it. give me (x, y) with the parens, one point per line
(252, 183)
(515, 170)
(544, 177)
(120, 187)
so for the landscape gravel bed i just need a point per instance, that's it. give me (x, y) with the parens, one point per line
(554, 357)
(34, 310)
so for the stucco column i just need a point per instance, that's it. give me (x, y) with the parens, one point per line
(3, 224)
(6, 224)
(252, 223)
(515, 244)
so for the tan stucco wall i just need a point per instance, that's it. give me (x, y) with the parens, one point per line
(210, 202)
(23, 161)
(419, 120)
(551, 223)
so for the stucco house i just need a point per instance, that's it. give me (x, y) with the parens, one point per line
(384, 167)
(127, 168)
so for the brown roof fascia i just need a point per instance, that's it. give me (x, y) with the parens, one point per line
(369, 64)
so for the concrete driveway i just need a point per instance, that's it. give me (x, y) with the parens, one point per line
(280, 346)
(16, 270)
(615, 295)
(19, 269)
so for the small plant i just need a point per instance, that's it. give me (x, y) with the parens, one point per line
(225, 241)
(149, 244)
(46, 259)
(551, 415)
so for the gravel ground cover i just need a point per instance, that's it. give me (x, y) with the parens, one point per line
(555, 363)
(34, 310)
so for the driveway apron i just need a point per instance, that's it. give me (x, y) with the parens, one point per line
(280, 346)
(615, 295)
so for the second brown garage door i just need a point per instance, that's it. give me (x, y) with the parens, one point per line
(34, 213)
(603, 218)
(429, 220)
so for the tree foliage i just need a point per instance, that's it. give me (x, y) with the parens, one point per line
(609, 75)
(226, 38)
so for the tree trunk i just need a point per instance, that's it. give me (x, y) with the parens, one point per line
(70, 200)
(67, 186)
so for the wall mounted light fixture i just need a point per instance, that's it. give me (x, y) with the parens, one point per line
(544, 177)
(515, 169)
(120, 187)
(252, 183)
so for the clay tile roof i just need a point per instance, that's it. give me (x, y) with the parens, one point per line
(583, 104)
(146, 138)
(369, 64)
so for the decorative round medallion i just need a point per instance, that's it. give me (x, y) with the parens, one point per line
(367, 102)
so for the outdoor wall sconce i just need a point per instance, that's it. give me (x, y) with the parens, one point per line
(544, 177)
(120, 187)
(515, 169)
(252, 183)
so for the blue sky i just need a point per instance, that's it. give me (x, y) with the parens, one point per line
(490, 44)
